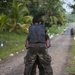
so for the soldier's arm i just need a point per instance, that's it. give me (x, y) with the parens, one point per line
(27, 42)
(47, 39)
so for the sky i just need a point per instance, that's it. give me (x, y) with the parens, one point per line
(68, 9)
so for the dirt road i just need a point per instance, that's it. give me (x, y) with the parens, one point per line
(58, 51)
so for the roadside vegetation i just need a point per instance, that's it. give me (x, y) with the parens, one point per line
(71, 65)
(13, 42)
(57, 30)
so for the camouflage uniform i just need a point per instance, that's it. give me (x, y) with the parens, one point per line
(43, 57)
(41, 69)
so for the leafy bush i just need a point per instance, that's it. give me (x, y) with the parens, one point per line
(54, 29)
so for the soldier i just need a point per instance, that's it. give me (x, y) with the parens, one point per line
(37, 50)
(41, 70)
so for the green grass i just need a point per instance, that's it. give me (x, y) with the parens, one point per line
(71, 67)
(54, 29)
(12, 43)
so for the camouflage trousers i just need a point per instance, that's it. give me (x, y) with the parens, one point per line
(35, 65)
(39, 55)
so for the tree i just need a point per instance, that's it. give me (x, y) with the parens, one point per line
(33, 6)
(17, 13)
(53, 8)
(3, 21)
(20, 11)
